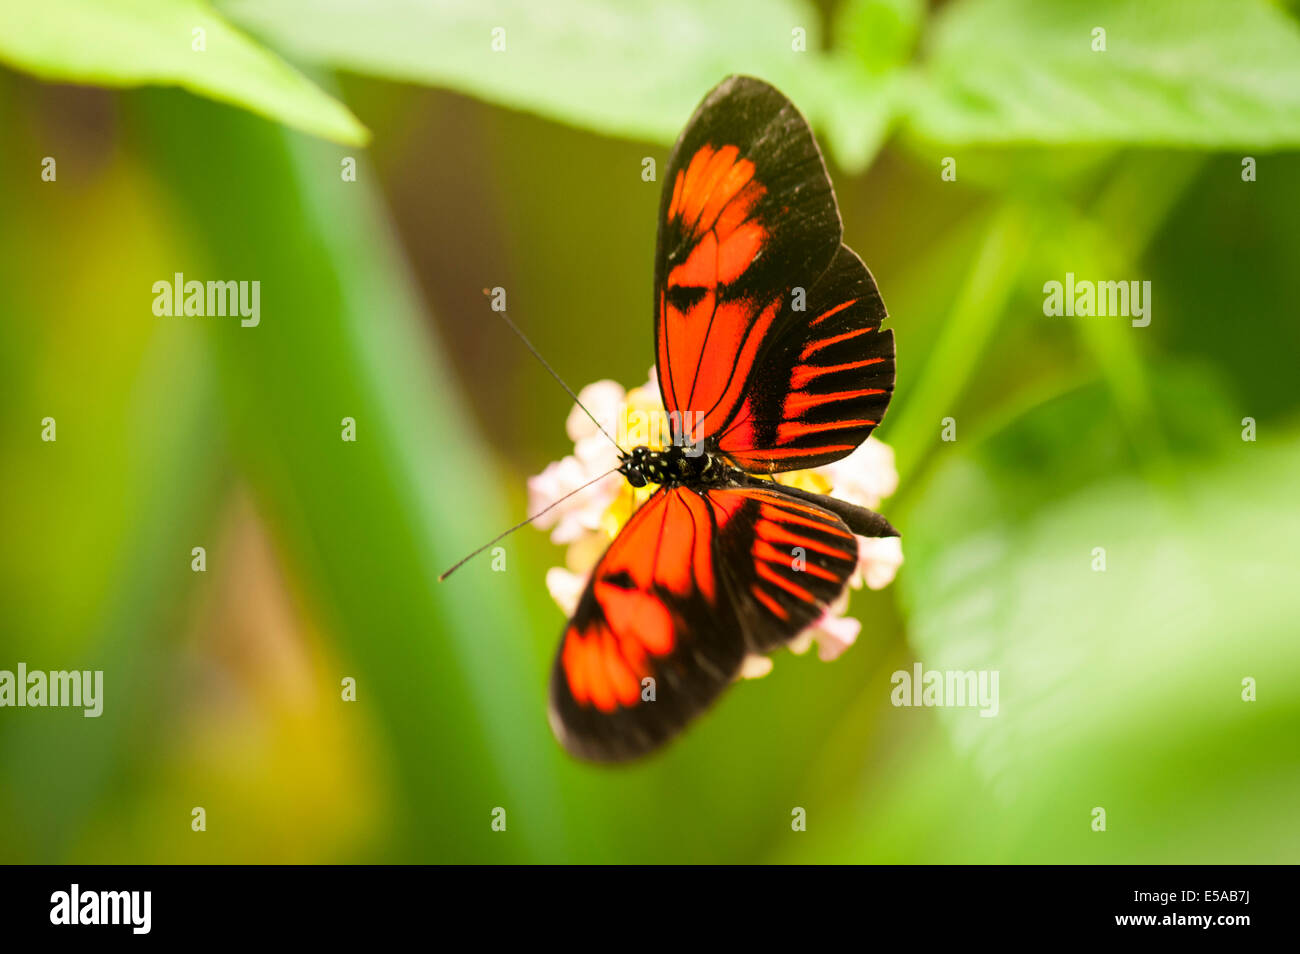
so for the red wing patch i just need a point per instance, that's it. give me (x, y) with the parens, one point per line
(714, 336)
(715, 193)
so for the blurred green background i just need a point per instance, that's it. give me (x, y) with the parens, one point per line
(522, 168)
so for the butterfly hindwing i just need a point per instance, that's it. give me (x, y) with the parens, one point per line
(824, 384)
(784, 561)
(698, 579)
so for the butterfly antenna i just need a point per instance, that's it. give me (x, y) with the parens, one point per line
(524, 523)
(537, 354)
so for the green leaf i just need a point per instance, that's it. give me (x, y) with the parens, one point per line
(634, 72)
(1119, 689)
(631, 71)
(151, 42)
(1122, 683)
(866, 82)
(878, 35)
(1188, 73)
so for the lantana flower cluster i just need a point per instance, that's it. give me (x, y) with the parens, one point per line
(586, 522)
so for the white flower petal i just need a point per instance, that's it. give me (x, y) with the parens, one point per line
(865, 476)
(755, 667)
(550, 485)
(565, 588)
(801, 643)
(604, 399)
(834, 634)
(575, 516)
(596, 454)
(878, 561)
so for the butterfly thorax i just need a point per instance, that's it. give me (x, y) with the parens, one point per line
(674, 466)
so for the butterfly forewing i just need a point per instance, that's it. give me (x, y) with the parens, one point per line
(652, 641)
(767, 329)
(746, 213)
(694, 582)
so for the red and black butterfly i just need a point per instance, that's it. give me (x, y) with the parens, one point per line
(770, 358)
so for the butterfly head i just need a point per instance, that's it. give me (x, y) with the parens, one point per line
(640, 467)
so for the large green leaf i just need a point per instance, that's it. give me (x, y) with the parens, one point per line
(993, 71)
(1190, 72)
(152, 42)
(631, 70)
(1119, 688)
(634, 71)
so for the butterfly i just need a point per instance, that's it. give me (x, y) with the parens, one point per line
(770, 357)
